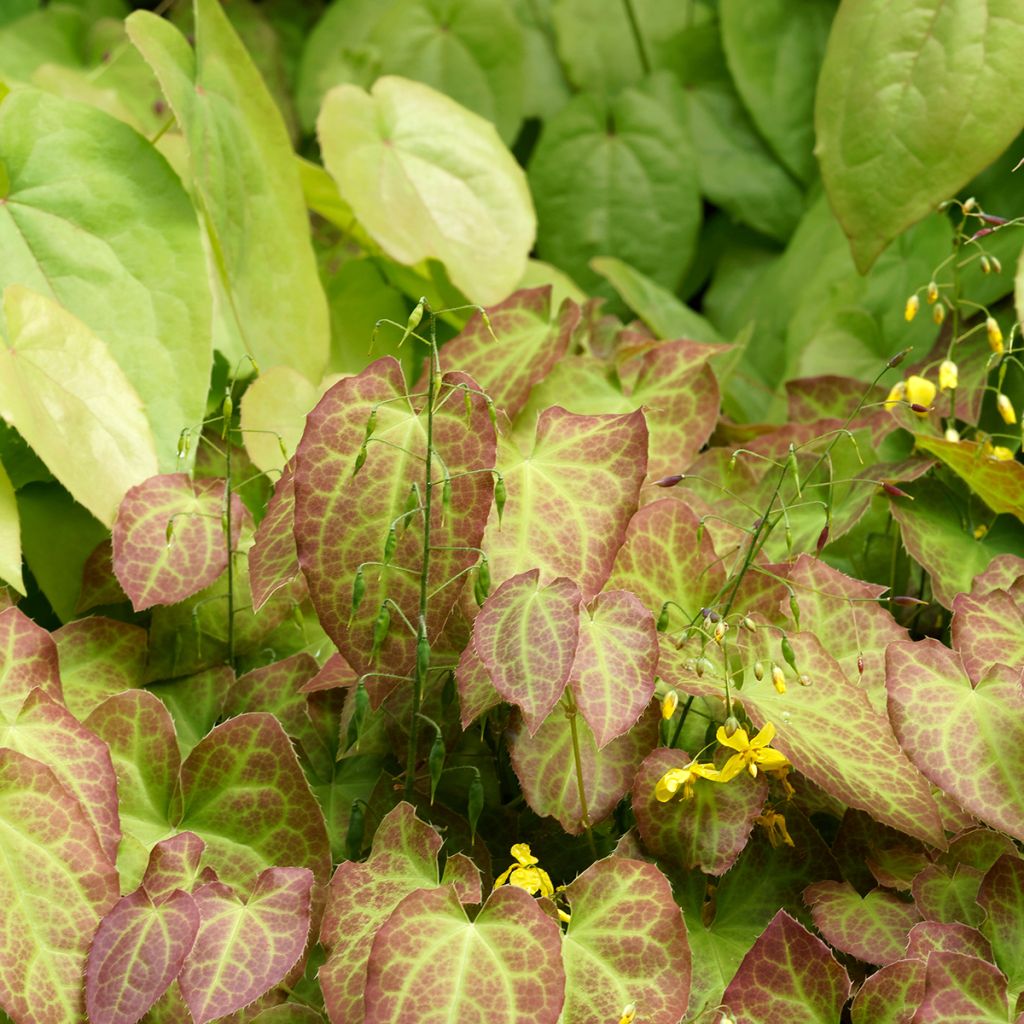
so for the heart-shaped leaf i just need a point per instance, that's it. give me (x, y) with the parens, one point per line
(987, 631)
(891, 995)
(273, 560)
(173, 864)
(28, 659)
(998, 483)
(962, 989)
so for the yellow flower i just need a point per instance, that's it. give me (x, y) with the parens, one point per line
(995, 336)
(669, 704)
(675, 778)
(775, 825)
(751, 753)
(911, 308)
(1005, 408)
(778, 679)
(939, 314)
(525, 874)
(933, 292)
(952, 435)
(998, 452)
(628, 1014)
(949, 375)
(920, 391)
(896, 395)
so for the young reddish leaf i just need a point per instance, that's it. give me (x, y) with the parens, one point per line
(999, 484)
(788, 974)
(245, 794)
(891, 995)
(546, 767)
(529, 343)
(962, 989)
(1004, 572)
(988, 631)
(169, 540)
(28, 659)
(1001, 896)
(664, 558)
(948, 896)
(99, 584)
(138, 950)
(953, 937)
(273, 560)
(612, 678)
(967, 740)
(873, 928)
(173, 864)
(569, 499)
(98, 658)
(245, 946)
(48, 732)
(343, 520)
(360, 899)
(526, 637)
(708, 831)
(460, 871)
(504, 967)
(626, 943)
(56, 882)
(476, 691)
(336, 672)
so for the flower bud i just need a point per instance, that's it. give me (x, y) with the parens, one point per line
(995, 336)
(952, 435)
(896, 394)
(980, 531)
(969, 204)
(669, 704)
(920, 393)
(731, 725)
(758, 670)
(895, 492)
(939, 314)
(669, 481)
(911, 308)
(749, 624)
(933, 292)
(949, 375)
(986, 265)
(895, 360)
(778, 679)
(720, 629)
(997, 267)
(1005, 408)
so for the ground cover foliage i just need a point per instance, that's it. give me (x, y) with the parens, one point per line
(511, 510)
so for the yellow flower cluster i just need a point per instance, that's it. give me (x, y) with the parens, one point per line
(918, 392)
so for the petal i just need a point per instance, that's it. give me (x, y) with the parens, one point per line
(771, 760)
(521, 852)
(706, 771)
(764, 737)
(546, 888)
(737, 741)
(503, 877)
(732, 768)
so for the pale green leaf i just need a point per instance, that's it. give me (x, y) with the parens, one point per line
(10, 536)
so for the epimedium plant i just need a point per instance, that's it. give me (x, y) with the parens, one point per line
(497, 671)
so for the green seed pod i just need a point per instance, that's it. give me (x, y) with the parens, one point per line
(787, 653)
(662, 623)
(362, 706)
(468, 398)
(483, 574)
(169, 532)
(225, 522)
(227, 407)
(479, 592)
(414, 318)
(360, 459)
(492, 414)
(358, 589)
(356, 828)
(500, 495)
(475, 802)
(749, 624)
(448, 691)
(446, 495)
(435, 763)
(794, 609)
(390, 543)
(371, 424)
(700, 531)
(759, 670)
(412, 503)
(380, 629)
(794, 468)
(183, 444)
(422, 657)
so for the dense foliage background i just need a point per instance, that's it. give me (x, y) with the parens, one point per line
(555, 455)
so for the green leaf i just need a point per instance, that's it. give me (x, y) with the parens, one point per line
(911, 104)
(1001, 896)
(52, 859)
(428, 178)
(123, 256)
(948, 896)
(999, 484)
(889, 994)
(626, 943)
(616, 177)
(247, 189)
(505, 964)
(10, 535)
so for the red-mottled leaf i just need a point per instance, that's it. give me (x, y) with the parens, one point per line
(831, 397)
(98, 658)
(169, 540)
(873, 928)
(360, 899)
(273, 560)
(476, 691)
(962, 989)
(343, 520)
(1001, 896)
(99, 584)
(526, 637)
(56, 882)
(546, 768)
(948, 896)
(954, 937)
(988, 631)
(968, 740)
(460, 871)
(245, 946)
(569, 499)
(288, 1013)
(664, 558)
(708, 831)
(891, 995)
(48, 732)
(246, 795)
(336, 672)
(138, 950)
(28, 659)
(896, 867)
(173, 864)
(626, 943)
(999, 484)
(526, 343)
(428, 959)
(788, 974)
(1005, 572)
(612, 678)
(976, 847)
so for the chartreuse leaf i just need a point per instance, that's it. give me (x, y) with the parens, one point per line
(872, 928)
(273, 560)
(962, 989)
(97, 222)
(65, 394)
(626, 943)
(788, 974)
(139, 949)
(274, 409)
(987, 631)
(10, 536)
(935, 77)
(526, 636)
(1000, 484)
(505, 966)
(56, 883)
(569, 499)
(343, 520)
(1001, 896)
(246, 188)
(247, 943)
(28, 659)
(949, 728)
(428, 178)
(169, 538)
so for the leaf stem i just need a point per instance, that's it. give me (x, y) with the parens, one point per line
(634, 27)
(570, 713)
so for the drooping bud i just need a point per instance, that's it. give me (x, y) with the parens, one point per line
(669, 481)
(749, 624)
(669, 704)
(371, 424)
(435, 763)
(482, 582)
(358, 589)
(860, 664)
(662, 623)
(474, 803)
(906, 601)
(995, 336)
(356, 828)
(952, 435)
(794, 609)
(183, 443)
(422, 657)
(895, 492)
(949, 375)
(758, 670)
(390, 543)
(731, 725)
(997, 267)
(822, 539)
(381, 626)
(787, 652)
(720, 630)
(939, 314)
(895, 360)
(778, 679)
(911, 308)
(1005, 408)
(226, 409)
(933, 292)
(986, 265)
(360, 459)
(500, 495)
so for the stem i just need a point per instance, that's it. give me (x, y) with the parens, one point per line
(634, 27)
(231, 559)
(570, 712)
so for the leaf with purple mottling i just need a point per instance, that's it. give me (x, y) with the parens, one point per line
(335, 673)
(709, 830)
(429, 958)
(343, 520)
(98, 658)
(173, 864)
(832, 397)
(569, 499)
(137, 952)
(546, 769)
(99, 584)
(626, 943)
(967, 740)
(891, 995)
(56, 883)
(998, 483)
(169, 541)
(1001, 896)
(977, 847)
(1004, 572)
(788, 974)
(28, 659)
(953, 937)
(872, 928)
(962, 989)
(523, 344)
(988, 631)
(948, 896)
(476, 691)
(288, 1013)
(245, 945)
(273, 560)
